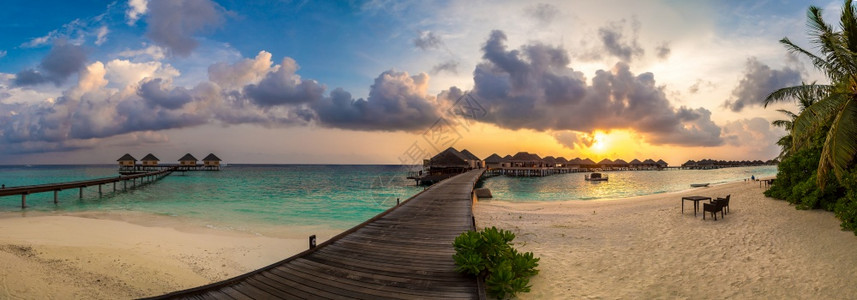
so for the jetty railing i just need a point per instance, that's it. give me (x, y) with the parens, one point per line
(56, 187)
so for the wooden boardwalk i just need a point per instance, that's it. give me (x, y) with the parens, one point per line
(403, 253)
(56, 187)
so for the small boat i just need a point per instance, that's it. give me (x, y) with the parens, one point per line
(595, 177)
(699, 184)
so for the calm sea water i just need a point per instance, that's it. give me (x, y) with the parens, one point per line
(333, 196)
(337, 196)
(621, 184)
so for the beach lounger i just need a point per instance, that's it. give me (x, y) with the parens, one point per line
(712, 208)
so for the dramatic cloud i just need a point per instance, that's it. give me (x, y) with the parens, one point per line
(157, 92)
(396, 101)
(245, 71)
(284, 86)
(428, 40)
(448, 66)
(613, 38)
(62, 61)
(172, 23)
(533, 88)
(543, 12)
(136, 8)
(759, 81)
(573, 140)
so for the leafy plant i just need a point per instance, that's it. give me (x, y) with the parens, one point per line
(489, 254)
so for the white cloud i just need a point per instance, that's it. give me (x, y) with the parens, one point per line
(152, 51)
(136, 9)
(39, 41)
(2, 53)
(242, 72)
(126, 75)
(101, 35)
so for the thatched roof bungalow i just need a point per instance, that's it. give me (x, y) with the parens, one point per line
(448, 161)
(127, 160)
(211, 160)
(649, 163)
(526, 160)
(662, 164)
(619, 163)
(472, 159)
(549, 161)
(150, 160)
(561, 162)
(187, 160)
(494, 161)
(605, 164)
(587, 163)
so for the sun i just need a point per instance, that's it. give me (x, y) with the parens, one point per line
(600, 142)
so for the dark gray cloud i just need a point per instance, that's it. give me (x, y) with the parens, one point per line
(284, 86)
(396, 101)
(428, 40)
(615, 41)
(63, 61)
(172, 23)
(663, 50)
(545, 13)
(156, 93)
(447, 66)
(534, 88)
(758, 82)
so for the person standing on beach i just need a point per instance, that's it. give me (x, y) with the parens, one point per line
(753, 177)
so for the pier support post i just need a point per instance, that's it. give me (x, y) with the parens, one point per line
(114, 186)
(99, 190)
(55, 197)
(81, 192)
(397, 202)
(23, 201)
(312, 241)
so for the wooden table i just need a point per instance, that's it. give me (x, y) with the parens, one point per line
(695, 200)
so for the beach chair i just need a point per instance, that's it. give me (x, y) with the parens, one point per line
(712, 208)
(724, 203)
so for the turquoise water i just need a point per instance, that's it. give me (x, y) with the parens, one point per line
(331, 196)
(337, 196)
(622, 184)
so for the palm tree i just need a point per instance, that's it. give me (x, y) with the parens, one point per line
(836, 103)
(804, 101)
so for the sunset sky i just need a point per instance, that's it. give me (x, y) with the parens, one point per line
(381, 82)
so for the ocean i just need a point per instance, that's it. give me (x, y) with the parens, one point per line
(329, 196)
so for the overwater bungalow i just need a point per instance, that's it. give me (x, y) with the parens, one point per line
(561, 162)
(636, 164)
(662, 164)
(150, 160)
(449, 161)
(494, 161)
(473, 160)
(575, 164)
(211, 161)
(549, 161)
(588, 164)
(650, 164)
(127, 160)
(620, 164)
(187, 160)
(605, 164)
(507, 161)
(526, 160)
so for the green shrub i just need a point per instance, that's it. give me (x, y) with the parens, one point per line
(489, 254)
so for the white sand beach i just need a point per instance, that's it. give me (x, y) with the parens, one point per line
(645, 248)
(117, 256)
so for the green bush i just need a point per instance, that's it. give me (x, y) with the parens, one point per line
(489, 254)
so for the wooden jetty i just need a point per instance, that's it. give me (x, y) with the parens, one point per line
(402, 253)
(56, 187)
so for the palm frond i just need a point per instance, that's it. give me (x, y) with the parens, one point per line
(840, 145)
(849, 26)
(782, 123)
(817, 61)
(814, 117)
(817, 91)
